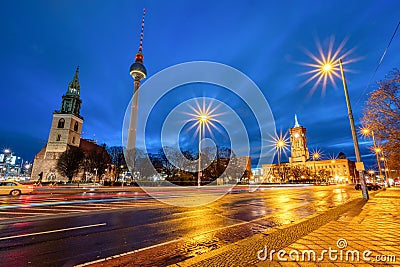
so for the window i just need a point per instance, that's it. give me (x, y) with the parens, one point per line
(61, 123)
(76, 126)
(58, 137)
(73, 139)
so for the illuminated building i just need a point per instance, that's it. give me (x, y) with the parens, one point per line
(303, 168)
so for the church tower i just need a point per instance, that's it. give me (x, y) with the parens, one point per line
(298, 140)
(66, 126)
(65, 131)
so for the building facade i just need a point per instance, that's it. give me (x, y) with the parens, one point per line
(303, 168)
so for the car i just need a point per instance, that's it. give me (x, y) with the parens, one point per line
(14, 188)
(370, 186)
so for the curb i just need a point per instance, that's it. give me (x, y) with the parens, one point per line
(275, 238)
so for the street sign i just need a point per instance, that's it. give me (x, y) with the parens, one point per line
(360, 166)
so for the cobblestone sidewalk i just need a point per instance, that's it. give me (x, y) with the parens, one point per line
(372, 238)
(353, 235)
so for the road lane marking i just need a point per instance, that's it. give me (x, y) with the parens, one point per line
(129, 252)
(54, 231)
(161, 244)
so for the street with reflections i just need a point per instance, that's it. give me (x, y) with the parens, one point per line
(72, 229)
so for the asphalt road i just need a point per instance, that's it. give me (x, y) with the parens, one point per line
(92, 234)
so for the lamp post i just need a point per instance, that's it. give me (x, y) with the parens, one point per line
(123, 177)
(333, 173)
(324, 70)
(280, 144)
(315, 157)
(371, 174)
(386, 170)
(365, 131)
(203, 116)
(95, 176)
(202, 120)
(359, 164)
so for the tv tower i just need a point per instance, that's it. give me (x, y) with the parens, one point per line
(138, 73)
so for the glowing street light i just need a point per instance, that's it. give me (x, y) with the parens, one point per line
(203, 116)
(386, 169)
(324, 68)
(367, 132)
(315, 156)
(203, 119)
(327, 67)
(279, 143)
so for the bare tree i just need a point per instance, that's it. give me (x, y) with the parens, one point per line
(117, 158)
(97, 159)
(382, 116)
(70, 162)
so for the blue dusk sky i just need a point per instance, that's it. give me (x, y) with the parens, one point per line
(44, 41)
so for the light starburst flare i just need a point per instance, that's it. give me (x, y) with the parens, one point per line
(326, 65)
(279, 143)
(316, 154)
(204, 115)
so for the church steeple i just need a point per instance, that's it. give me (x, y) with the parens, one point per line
(71, 101)
(74, 88)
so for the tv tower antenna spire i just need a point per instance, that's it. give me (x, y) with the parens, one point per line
(142, 32)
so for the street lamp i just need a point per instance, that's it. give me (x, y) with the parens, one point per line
(386, 168)
(280, 144)
(203, 116)
(202, 119)
(326, 68)
(366, 132)
(315, 156)
(95, 177)
(360, 166)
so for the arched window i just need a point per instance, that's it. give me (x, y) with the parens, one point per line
(73, 139)
(58, 137)
(61, 123)
(76, 126)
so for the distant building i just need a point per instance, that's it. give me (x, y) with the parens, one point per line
(257, 175)
(65, 132)
(301, 167)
